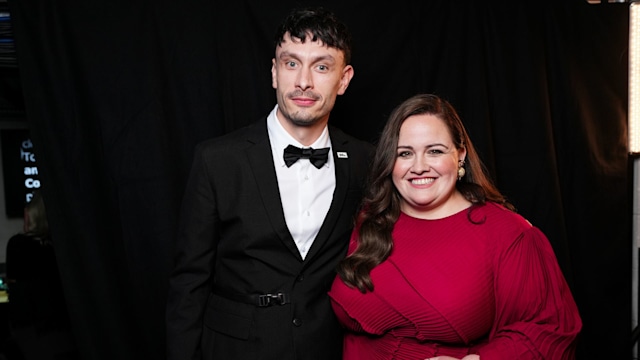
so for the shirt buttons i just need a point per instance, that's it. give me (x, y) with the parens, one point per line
(297, 322)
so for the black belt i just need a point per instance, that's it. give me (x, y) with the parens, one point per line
(261, 300)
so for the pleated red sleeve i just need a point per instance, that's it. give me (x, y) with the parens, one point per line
(536, 316)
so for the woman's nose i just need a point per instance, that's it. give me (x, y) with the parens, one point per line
(420, 165)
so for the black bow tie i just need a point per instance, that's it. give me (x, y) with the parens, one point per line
(318, 157)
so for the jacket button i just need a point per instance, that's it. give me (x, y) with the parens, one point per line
(300, 278)
(297, 322)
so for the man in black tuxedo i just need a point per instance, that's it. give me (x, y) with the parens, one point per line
(261, 230)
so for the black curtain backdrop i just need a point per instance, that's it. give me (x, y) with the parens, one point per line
(117, 94)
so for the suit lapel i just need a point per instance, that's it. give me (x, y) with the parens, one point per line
(342, 164)
(264, 175)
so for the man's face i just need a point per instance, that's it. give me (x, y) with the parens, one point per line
(308, 77)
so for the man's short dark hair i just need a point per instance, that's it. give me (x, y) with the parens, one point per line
(321, 24)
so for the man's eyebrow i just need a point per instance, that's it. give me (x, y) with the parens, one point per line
(286, 54)
(325, 57)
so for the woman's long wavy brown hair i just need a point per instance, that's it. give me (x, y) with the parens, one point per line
(380, 207)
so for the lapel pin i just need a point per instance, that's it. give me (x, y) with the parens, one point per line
(342, 154)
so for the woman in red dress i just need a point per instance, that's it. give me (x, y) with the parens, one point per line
(440, 265)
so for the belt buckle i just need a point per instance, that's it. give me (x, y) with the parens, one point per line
(271, 299)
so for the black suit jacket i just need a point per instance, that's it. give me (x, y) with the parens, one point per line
(234, 242)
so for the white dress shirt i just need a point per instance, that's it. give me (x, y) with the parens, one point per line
(305, 191)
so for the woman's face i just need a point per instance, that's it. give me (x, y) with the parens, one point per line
(426, 168)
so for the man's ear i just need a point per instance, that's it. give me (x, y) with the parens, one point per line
(274, 81)
(347, 75)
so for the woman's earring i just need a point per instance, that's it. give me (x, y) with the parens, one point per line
(461, 170)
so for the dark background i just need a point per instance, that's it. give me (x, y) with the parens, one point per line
(117, 94)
